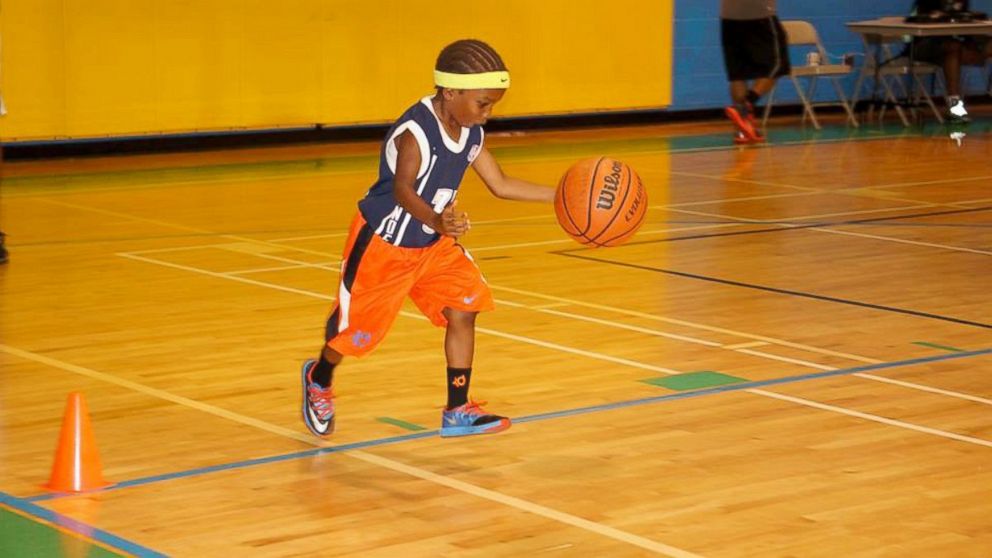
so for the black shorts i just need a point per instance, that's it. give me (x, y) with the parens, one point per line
(754, 48)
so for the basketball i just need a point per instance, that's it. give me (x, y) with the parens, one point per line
(600, 202)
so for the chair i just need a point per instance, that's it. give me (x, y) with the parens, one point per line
(803, 34)
(887, 67)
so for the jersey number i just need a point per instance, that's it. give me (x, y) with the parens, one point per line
(440, 201)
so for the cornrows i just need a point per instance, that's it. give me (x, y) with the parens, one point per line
(469, 56)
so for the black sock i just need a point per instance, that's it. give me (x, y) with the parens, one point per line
(752, 97)
(323, 373)
(458, 380)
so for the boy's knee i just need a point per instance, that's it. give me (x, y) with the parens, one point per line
(460, 318)
(331, 355)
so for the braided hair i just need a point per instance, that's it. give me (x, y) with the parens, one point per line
(469, 56)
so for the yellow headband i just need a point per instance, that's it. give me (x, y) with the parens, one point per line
(485, 80)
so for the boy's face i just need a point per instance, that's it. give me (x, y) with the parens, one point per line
(470, 107)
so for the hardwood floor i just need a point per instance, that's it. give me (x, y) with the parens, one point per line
(793, 357)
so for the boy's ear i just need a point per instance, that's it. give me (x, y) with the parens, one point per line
(448, 94)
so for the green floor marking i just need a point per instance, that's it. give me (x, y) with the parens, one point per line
(694, 380)
(401, 423)
(22, 537)
(936, 346)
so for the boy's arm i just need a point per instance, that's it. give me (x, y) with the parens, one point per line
(507, 187)
(407, 164)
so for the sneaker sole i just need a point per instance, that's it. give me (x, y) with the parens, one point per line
(491, 428)
(743, 125)
(306, 416)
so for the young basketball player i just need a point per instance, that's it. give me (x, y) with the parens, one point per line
(403, 242)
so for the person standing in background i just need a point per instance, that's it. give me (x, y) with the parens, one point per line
(950, 53)
(755, 54)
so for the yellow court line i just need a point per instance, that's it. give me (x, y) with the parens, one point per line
(733, 200)
(903, 241)
(167, 224)
(461, 486)
(567, 349)
(493, 332)
(525, 505)
(851, 191)
(742, 348)
(160, 394)
(921, 387)
(800, 218)
(871, 417)
(746, 348)
(642, 232)
(798, 223)
(694, 325)
(748, 345)
(809, 189)
(983, 178)
(488, 331)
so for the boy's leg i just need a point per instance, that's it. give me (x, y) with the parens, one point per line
(459, 348)
(318, 392)
(462, 417)
(451, 293)
(367, 304)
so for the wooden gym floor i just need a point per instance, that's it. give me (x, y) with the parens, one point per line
(792, 358)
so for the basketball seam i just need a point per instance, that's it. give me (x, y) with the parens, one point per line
(564, 185)
(606, 227)
(633, 229)
(592, 190)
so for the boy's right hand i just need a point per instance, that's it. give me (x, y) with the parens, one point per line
(451, 222)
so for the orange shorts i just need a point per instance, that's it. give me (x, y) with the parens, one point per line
(376, 277)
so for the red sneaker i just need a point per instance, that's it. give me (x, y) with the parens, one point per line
(318, 403)
(743, 123)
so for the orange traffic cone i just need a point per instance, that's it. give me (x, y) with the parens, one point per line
(77, 464)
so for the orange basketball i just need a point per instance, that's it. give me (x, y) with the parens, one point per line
(600, 202)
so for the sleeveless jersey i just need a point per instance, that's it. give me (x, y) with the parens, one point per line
(443, 162)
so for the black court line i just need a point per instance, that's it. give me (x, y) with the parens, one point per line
(796, 227)
(777, 290)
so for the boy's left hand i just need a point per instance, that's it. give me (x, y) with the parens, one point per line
(454, 223)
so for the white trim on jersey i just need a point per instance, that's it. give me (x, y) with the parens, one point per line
(418, 133)
(420, 190)
(454, 147)
(778, 49)
(344, 303)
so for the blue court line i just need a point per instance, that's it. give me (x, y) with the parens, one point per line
(247, 463)
(77, 527)
(533, 418)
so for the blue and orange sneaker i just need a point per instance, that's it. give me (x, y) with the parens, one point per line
(469, 419)
(318, 403)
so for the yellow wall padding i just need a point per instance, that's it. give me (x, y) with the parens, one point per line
(97, 68)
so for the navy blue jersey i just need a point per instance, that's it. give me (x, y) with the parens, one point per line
(443, 162)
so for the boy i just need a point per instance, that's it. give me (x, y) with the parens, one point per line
(403, 240)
